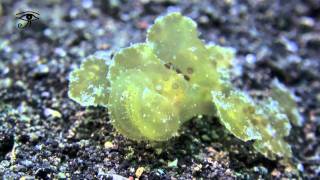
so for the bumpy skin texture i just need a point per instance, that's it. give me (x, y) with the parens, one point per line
(236, 112)
(152, 88)
(88, 85)
(273, 125)
(145, 97)
(286, 100)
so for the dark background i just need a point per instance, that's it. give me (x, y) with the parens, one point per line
(44, 134)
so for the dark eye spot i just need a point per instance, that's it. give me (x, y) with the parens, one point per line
(189, 70)
(168, 65)
(214, 63)
(178, 71)
(186, 77)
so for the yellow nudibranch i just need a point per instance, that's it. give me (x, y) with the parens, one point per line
(152, 88)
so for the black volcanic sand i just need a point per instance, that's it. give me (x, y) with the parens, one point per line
(45, 135)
